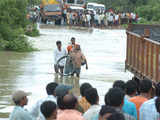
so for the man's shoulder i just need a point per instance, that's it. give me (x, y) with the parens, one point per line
(128, 117)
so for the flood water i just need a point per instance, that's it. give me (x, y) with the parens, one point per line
(104, 49)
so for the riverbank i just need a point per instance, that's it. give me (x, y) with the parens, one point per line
(104, 49)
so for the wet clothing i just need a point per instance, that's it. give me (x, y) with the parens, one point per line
(58, 54)
(84, 104)
(35, 111)
(148, 110)
(138, 101)
(19, 113)
(69, 115)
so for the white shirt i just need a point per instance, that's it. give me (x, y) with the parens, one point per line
(35, 111)
(58, 54)
(91, 112)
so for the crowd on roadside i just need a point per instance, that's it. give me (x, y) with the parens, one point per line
(98, 19)
(90, 18)
(131, 100)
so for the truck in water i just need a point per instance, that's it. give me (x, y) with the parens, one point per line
(51, 10)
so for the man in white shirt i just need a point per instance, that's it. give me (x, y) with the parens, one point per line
(93, 98)
(59, 52)
(50, 88)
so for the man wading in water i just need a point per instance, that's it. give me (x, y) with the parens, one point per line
(58, 53)
(78, 59)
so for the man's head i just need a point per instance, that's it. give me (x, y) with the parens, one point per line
(20, 98)
(49, 110)
(70, 101)
(119, 84)
(84, 87)
(59, 44)
(145, 86)
(62, 90)
(115, 97)
(73, 40)
(50, 88)
(105, 112)
(92, 96)
(131, 88)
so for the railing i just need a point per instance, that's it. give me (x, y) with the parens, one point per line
(142, 57)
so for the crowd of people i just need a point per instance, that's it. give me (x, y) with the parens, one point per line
(90, 18)
(131, 100)
(98, 19)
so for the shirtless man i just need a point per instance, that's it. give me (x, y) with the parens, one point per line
(78, 59)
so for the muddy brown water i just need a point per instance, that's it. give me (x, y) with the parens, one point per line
(104, 49)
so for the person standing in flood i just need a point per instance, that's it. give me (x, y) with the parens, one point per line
(73, 44)
(78, 59)
(58, 53)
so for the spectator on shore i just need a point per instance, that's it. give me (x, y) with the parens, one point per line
(148, 110)
(104, 113)
(49, 110)
(82, 101)
(50, 89)
(93, 98)
(145, 94)
(131, 89)
(128, 107)
(115, 99)
(67, 105)
(19, 113)
(62, 90)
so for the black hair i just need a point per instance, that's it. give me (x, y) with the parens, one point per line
(58, 42)
(50, 88)
(84, 87)
(131, 87)
(114, 97)
(157, 104)
(116, 116)
(157, 89)
(70, 103)
(119, 84)
(60, 102)
(106, 109)
(73, 38)
(47, 108)
(92, 95)
(145, 86)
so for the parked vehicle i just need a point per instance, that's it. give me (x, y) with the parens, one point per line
(143, 51)
(51, 11)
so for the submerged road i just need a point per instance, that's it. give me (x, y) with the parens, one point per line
(104, 49)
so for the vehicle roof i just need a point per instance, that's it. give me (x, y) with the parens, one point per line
(76, 7)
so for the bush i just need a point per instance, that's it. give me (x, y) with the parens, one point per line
(13, 23)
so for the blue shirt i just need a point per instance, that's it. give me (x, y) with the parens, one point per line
(19, 113)
(148, 110)
(129, 108)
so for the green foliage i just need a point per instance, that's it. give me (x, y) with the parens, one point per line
(13, 23)
(148, 10)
